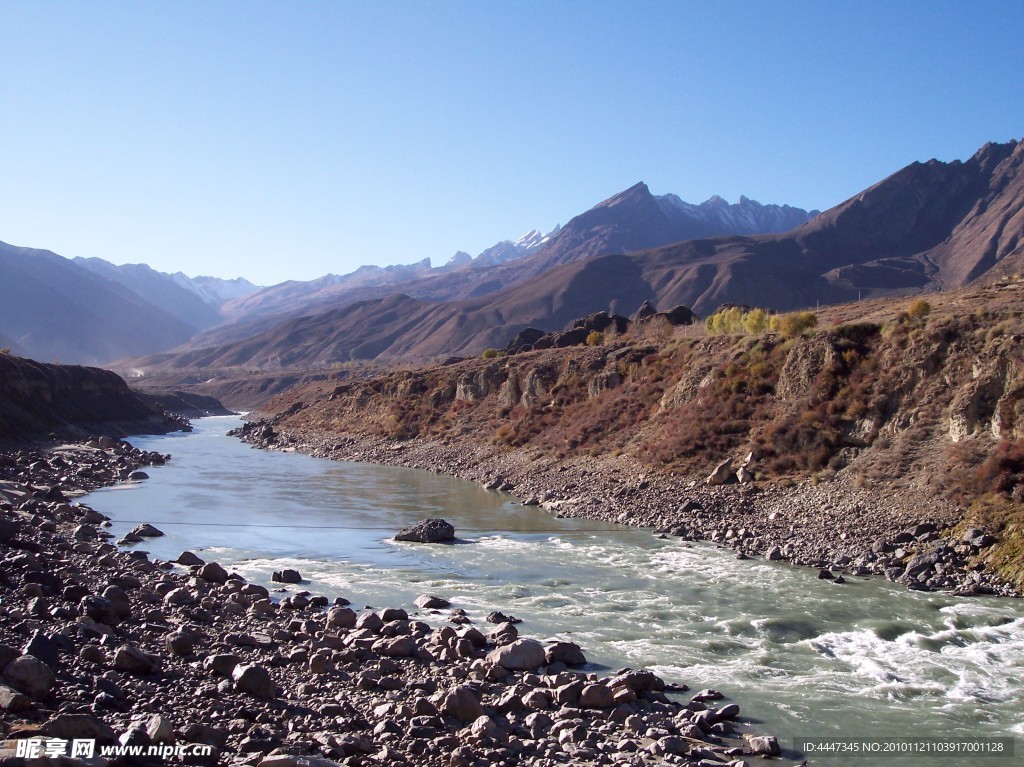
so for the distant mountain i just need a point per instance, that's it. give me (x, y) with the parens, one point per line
(628, 222)
(635, 220)
(929, 226)
(53, 309)
(194, 300)
(504, 251)
(214, 290)
(159, 289)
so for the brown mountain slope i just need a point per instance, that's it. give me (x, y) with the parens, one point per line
(929, 226)
(629, 221)
(878, 419)
(401, 327)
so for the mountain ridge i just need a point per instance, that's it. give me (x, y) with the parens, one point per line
(922, 228)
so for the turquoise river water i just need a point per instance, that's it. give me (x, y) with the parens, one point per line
(802, 657)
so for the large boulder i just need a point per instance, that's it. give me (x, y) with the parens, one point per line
(432, 530)
(520, 655)
(644, 313)
(524, 340)
(462, 703)
(254, 680)
(568, 653)
(30, 676)
(146, 530)
(341, 617)
(429, 602)
(680, 315)
(12, 700)
(596, 696)
(721, 474)
(764, 745)
(286, 576)
(131, 660)
(188, 559)
(601, 321)
(79, 727)
(213, 573)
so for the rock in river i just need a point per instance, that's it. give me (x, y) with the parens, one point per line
(428, 531)
(286, 576)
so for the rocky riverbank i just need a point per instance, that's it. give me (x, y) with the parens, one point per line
(102, 644)
(836, 527)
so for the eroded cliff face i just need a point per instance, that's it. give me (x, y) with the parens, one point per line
(37, 399)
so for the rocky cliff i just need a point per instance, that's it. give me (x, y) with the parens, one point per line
(37, 399)
(886, 416)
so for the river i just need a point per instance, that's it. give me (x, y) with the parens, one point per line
(803, 657)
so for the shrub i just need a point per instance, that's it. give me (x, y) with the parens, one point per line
(490, 354)
(755, 321)
(793, 324)
(735, 321)
(595, 338)
(919, 308)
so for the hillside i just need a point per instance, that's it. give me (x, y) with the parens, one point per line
(931, 226)
(55, 310)
(198, 301)
(878, 420)
(71, 401)
(624, 223)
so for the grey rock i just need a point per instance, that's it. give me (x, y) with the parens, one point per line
(462, 703)
(596, 696)
(568, 653)
(213, 573)
(30, 676)
(500, 617)
(370, 622)
(188, 559)
(286, 576)
(341, 617)
(765, 745)
(221, 664)
(180, 642)
(160, 730)
(42, 647)
(12, 700)
(432, 530)
(179, 596)
(254, 680)
(132, 660)
(427, 602)
(521, 655)
(721, 474)
(79, 726)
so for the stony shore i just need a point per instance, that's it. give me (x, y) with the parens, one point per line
(103, 644)
(831, 526)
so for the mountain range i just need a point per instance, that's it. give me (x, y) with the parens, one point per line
(930, 226)
(92, 311)
(89, 311)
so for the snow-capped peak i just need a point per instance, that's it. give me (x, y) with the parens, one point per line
(214, 290)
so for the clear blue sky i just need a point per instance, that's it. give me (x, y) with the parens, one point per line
(279, 140)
